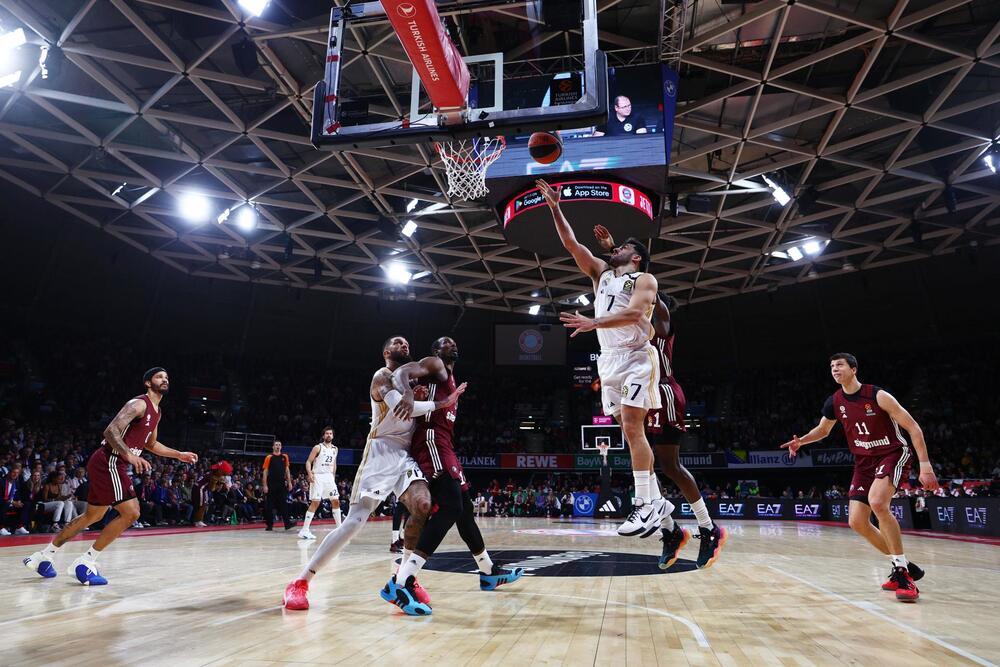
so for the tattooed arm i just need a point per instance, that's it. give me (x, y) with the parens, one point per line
(134, 409)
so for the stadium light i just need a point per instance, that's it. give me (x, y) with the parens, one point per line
(534, 309)
(411, 205)
(812, 247)
(397, 273)
(255, 7)
(777, 191)
(9, 41)
(794, 253)
(246, 218)
(409, 228)
(194, 206)
(992, 159)
(583, 300)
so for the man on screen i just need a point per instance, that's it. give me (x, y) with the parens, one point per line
(622, 121)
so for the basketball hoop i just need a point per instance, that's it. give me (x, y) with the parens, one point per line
(466, 162)
(603, 449)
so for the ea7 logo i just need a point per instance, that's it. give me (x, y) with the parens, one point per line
(807, 509)
(898, 511)
(730, 509)
(686, 509)
(769, 509)
(946, 514)
(975, 516)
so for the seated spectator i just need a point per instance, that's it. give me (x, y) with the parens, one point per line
(15, 502)
(55, 502)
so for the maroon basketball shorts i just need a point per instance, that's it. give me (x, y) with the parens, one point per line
(894, 464)
(670, 413)
(436, 456)
(108, 478)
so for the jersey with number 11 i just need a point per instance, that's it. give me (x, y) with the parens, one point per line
(613, 295)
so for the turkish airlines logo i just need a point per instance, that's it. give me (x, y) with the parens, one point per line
(406, 10)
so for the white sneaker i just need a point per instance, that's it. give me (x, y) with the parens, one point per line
(40, 563)
(306, 535)
(4, 532)
(200, 524)
(85, 571)
(21, 531)
(664, 508)
(641, 520)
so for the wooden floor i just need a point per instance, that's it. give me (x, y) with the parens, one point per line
(784, 593)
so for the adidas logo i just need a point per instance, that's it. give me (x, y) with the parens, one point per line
(607, 507)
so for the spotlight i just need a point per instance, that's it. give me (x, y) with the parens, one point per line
(10, 79)
(469, 301)
(11, 41)
(812, 247)
(246, 218)
(409, 228)
(411, 205)
(51, 60)
(794, 253)
(534, 309)
(777, 191)
(255, 264)
(992, 158)
(583, 299)
(397, 273)
(114, 193)
(194, 206)
(255, 7)
(534, 295)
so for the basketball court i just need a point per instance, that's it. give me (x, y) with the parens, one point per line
(784, 594)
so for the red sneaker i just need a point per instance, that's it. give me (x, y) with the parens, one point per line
(890, 583)
(421, 594)
(906, 590)
(295, 595)
(916, 574)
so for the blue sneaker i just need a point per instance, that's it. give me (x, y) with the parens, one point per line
(673, 542)
(38, 562)
(86, 572)
(403, 597)
(499, 576)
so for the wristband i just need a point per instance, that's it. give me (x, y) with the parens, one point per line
(925, 463)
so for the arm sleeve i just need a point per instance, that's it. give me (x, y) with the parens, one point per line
(420, 408)
(828, 409)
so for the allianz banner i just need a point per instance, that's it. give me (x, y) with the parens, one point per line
(768, 459)
(477, 461)
(832, 457)
(969, 516)
(837, 510)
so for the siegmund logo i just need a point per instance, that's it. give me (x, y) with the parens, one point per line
(564, 563)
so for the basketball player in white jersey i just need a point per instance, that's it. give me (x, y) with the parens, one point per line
(386, 468)
(629, 370)
(321, 470)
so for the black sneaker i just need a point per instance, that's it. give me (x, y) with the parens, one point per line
(269, 528)
(712, 542)
(396, 547)
(289, 526)
(673, 541)
(915, 572)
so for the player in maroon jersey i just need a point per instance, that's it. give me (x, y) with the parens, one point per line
(434, 451)
(871, 418)
(664, 427)
(130, 433)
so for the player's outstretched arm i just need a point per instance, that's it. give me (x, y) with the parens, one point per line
(160, 449)
(403, 376)
(113, 433)
(585, 260)
(901, 416)
(643, 296)
(818, 432)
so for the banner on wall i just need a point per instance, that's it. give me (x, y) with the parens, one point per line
(768, 459)
(584, 504)
(969, 516)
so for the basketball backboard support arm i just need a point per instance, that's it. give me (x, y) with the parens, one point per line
(327, 132)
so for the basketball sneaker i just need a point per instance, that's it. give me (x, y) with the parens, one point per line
(40, 563)
(499, 576)
(396, 547)
(673, 541)
(906, 590)
(712, 542)
(86, 572)
(643, 517)
(404, 597)
(420, 593)
(306, 535)
(915, 573)
(295, 595)
(664, 508)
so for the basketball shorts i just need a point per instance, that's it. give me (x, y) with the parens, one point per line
(109, 480)
(894, 464)
(386, 468)
(629, 377)
(325, 487)
(670, 413)
(436, 456)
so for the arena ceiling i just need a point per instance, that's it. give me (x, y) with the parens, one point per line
(876, 114)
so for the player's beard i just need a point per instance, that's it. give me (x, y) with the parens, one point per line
(619, 259)
(400, 358)
(449, 357)
(162, 390)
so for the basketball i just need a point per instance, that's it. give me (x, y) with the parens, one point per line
(545, 147)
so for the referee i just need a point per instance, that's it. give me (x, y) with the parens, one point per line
(276, 480)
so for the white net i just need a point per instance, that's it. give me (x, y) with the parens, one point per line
(603, 448)
(466, 162)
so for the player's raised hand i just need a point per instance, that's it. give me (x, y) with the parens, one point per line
(187, 457)
(793, 446)
(453, 398)
(551, 194)
(579, 323)
(604, 238)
